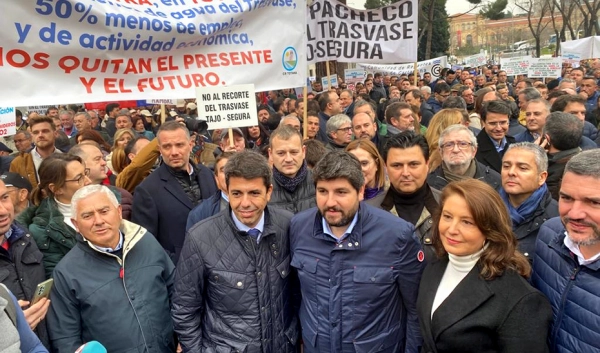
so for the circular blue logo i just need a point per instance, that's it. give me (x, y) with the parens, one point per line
(289, 59)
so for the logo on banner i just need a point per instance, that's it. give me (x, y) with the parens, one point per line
(289, 59)
(436, 70)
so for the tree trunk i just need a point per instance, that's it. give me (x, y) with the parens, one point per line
(429, 30)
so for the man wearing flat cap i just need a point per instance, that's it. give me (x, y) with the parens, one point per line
(19, 189)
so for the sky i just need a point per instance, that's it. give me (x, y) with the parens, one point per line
(452, 6)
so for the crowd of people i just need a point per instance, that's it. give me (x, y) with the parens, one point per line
(460, 214)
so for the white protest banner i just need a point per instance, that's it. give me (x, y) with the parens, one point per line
(225, 107)
(40, 109)
(515, 66)
(98, 50)
(8, 125)
(433, 66)
(585, 48)
(385, 35)
(545, 67)
(354, 76)
(475, 60)
(162, 101)
(325, 81)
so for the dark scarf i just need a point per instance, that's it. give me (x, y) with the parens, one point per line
(372, 192)
(527, 208)
(290, 184)
(189, 183)
(410, 206)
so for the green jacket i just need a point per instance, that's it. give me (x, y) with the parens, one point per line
(53, 236)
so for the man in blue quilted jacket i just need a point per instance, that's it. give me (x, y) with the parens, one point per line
(566, 267)
(359, 267)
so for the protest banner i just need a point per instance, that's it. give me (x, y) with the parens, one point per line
(572, 51)
(385, 35)
(515, 66)
(354, 76)
(227, 107)
(475, 60)
(8, 125)
(325, 82)
(161, 101)
(433, 66)
(545, 67)
(98, 50)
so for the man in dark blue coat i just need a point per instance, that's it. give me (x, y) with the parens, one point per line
(359, 267)
(566, 267)
(216, 203)
(162, 202)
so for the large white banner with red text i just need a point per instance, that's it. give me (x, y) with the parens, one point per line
(102, 50)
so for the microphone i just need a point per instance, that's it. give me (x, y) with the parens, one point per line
(91, 347)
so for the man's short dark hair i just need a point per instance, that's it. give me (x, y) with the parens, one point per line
(556, 94)
(324, 99)
(41, 119)
(339, 165)
(561, 102)
(498, 107)
(441, 87)
(222, 156)
(173, 126)
(393, 110)
(110, 107)
(263, 107)
(315, 150)
(455, 102)
(404, 140)
(50, 108)
(564, 130)
(416, 93)
(248, 165)
(528, 82)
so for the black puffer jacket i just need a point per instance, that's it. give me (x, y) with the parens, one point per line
(527, 232)
(437, 179)
(301, 199)
(233, 295)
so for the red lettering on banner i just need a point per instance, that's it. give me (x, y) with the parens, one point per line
(165, 63)
(87, 83)
(200, 61)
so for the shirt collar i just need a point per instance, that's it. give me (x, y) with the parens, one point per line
(327, 229)
(224, 196)
(499, 146)
(8, 233)
(244, 228)
(575, 250)
(118, 247)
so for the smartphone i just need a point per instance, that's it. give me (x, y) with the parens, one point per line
(42, 290)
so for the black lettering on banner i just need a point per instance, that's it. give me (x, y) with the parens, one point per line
(345, 33)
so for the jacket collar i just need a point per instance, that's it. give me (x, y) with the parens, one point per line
(470, 293)
(558, 244)
(132, 234)
(353, 241)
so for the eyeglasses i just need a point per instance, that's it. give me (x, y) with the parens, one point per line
(346, 129)
(445, 95)
(497, 123)
(462, 145)
(81, 177)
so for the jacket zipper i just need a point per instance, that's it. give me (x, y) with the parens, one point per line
(122, 276)
(563, 300)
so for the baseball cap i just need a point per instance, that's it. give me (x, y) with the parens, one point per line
(145, 112)
(4, 148)
(16, 180)
(180, 103)
(192, 106)
(225, 132)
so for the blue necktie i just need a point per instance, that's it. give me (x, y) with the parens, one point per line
(254, 233)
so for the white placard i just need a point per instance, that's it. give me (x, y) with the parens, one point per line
(325, 82)
(225, 107)
(8, 125)
(384, 35)
(354, 76)
(162, 101)
(101, 50)
(545, 67)
(515, 66)
(475, 60)
(433, 66)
